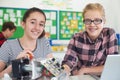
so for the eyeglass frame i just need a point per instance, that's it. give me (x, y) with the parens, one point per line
(101, 20)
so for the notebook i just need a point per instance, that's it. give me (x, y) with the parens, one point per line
(111, 69)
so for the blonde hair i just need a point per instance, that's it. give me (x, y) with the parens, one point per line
(94, 6)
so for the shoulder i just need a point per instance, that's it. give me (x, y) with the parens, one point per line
(44, 44)
(79, 35)
(43, 41)
(108, 31)
(1, 35)
(9, 45)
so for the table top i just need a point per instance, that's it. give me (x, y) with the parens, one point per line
(78, 77)
(83, 77)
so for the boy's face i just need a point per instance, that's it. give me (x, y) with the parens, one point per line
(93, 23)
(9, 33)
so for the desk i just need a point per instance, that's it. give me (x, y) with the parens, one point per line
(82, 77)
(79, 77)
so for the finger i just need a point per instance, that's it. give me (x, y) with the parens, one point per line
(30, 56)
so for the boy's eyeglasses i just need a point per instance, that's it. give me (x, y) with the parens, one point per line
(95, 21)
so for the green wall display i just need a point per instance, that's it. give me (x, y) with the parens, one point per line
(59, 24)
(15, 15)
(70, 23)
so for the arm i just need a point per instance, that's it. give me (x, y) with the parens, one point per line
(91, 70)
(8, 70)
(3, 70)
(4, 56)
(113, 43)
(85, 70)
(70, 59)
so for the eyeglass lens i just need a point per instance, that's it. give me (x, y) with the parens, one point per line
(95, 21)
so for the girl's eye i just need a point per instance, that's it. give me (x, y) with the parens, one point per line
(42, 25)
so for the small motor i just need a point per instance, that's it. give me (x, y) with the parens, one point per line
(18, 69)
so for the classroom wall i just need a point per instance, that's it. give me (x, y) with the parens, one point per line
(111, 7)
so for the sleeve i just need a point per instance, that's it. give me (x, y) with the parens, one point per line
(70, 57)
(5, 52)
(113, 43)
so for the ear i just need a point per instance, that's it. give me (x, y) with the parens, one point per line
(23, 24)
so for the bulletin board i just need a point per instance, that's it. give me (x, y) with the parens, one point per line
(15, 15)
(70, 23)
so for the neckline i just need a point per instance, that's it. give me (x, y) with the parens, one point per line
(23, 48)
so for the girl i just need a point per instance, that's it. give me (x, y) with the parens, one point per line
(32, 42)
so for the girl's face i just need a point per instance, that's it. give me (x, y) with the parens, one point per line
(94, 22)
(34, 25)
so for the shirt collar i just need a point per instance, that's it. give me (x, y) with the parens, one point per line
(89, 41)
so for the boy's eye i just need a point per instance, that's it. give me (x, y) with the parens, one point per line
(32, 22)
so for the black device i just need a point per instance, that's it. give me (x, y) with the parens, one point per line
(19, 72)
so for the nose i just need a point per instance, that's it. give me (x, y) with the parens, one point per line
(92, 23)
(37, 26)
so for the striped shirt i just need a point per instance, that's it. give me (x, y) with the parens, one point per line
(82, 51)
(11, 49)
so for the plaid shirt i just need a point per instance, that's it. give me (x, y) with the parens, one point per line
(82, 51)
(2, 39)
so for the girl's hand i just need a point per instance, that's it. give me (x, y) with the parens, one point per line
(25, 54)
